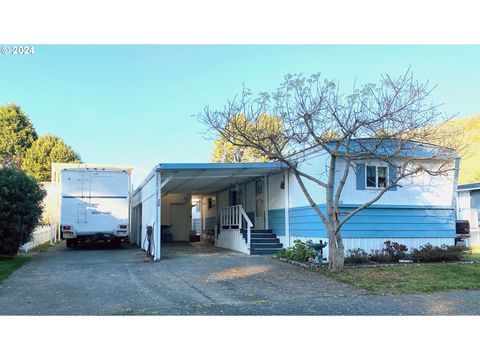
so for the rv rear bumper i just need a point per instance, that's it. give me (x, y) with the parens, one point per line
(98, 236)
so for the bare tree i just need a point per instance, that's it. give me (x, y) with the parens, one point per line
(394, 119)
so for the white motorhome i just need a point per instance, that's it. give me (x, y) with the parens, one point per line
(92, 202)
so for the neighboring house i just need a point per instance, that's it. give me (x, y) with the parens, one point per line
(468, 208)
(256, 208)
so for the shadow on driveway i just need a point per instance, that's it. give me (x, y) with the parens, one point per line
(194, 278)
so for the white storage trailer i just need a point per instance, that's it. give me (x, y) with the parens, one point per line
(92, 202)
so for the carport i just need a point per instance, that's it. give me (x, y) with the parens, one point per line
(174, 185)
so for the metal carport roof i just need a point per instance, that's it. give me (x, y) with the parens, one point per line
(199, 179)
(207, 178)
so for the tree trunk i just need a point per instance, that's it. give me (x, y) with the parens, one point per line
(336, 252)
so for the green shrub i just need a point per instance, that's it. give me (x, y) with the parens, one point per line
(391, 252)
(430, 253)
(20, 209)
(299, 252)
(379, 256)
(395, 250)
(356, 256)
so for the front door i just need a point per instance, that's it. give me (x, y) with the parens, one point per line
(259, 205)
(181, 222)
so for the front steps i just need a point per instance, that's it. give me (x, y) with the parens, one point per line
(262, 242)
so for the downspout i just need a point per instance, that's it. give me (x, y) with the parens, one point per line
(158, 217)
(217, 220)
(267, 200)
(56, 206)
(130, 209)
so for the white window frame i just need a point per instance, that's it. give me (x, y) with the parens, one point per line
(376, 187)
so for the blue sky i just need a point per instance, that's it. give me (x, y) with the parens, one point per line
(133, 105)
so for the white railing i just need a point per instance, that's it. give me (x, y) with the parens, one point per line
(233, 217)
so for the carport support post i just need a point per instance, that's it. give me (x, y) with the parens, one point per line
(267, 200)
(158, 229)
(216, 217)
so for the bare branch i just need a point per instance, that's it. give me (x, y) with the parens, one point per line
(392, 122)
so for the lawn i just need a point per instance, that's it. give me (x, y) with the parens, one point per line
(9, 265)
(474, 256)
(415, 278)
(40, 248)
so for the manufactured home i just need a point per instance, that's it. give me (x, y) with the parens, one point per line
(468, 208)
(258, 208)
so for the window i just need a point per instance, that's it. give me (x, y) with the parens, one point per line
(382, 176)
(211, 202)
(371, 176)
(376, 177)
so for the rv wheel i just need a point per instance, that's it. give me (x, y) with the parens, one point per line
(69, 243)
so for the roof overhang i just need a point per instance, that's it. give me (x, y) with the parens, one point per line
(468, 187)
(208, 178)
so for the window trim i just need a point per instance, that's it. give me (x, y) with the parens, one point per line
(376, 187)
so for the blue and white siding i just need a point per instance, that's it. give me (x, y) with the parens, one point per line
(419, 211)
(424, 189)
(285, 193)
(369, 229)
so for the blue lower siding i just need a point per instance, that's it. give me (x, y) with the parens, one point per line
(276, 221)
(374, 222)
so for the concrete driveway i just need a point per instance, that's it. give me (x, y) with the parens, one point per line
(196, 279)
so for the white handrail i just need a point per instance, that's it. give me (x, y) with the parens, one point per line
(233, 216)
(249, 224)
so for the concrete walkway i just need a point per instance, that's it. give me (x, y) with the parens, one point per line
(197, 279)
